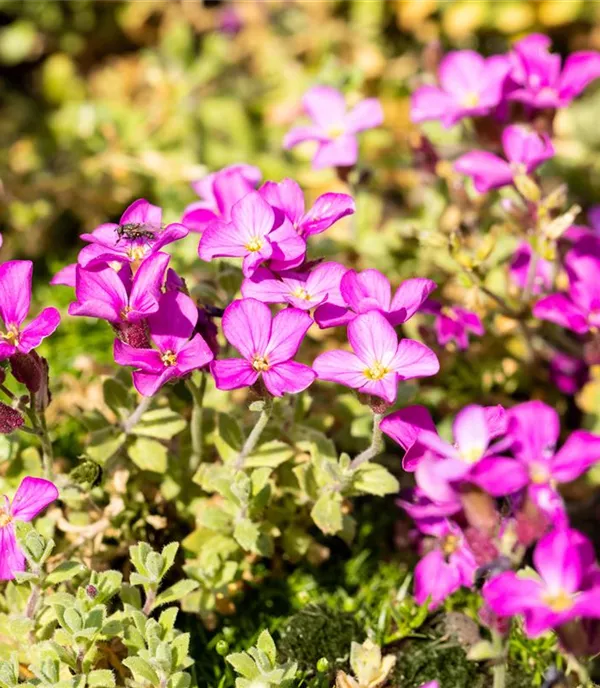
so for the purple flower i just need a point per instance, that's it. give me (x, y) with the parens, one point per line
(519, 270)
(470, 86)
(219, 191)
(304, 290)
(563, 559)
(267, 345)
(333, 127)
(287, 198)
(379, 361)
(538, 80)
(15, 300)
(404, 427)
(371, 291)
(116, 296)
(579, 310)
(447, 567)
(175, 355)
(534, 428)
(431, 684)
(33, 495)
(453, 323)
(524, 149)
(254, 234)
(65, 276)
(138, 234)
(569, 374)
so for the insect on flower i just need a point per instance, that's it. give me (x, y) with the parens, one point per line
(137, 230)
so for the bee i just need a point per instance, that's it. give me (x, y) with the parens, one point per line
(136, 230)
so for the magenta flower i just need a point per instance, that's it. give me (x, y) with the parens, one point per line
(420, 507)
(579, 310)
(379, 361)
(371, 291)
(569, 374)
(116, 296)
(267, 345)
(138, 234)
(524, 149)
(519, 270)
(33, 495)
(539, 81)
(470, 86)
(534, 428)
(220, 191)
(287, 198)
(15, 301)
(453, 323)
(333, 127)
(404, 427)
(175, 355)
(447, 567)
(65, 276)
(563, 559)
(254, 234)
(431, 684)
(303, 290)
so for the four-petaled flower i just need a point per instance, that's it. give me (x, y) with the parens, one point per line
(333, 127)
(267, 344)
(453, 323)
(379, 361)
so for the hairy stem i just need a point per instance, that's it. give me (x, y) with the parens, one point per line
(135, 417)
(499, 669)
(197, 419)
(375, 447)
(47, 451)
(150, 599)
(254, 436)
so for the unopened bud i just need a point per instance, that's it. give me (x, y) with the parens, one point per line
(27, 369)
(323, 665)
(10, 419)
(91, 591)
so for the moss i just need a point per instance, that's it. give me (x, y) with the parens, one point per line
(319, 631)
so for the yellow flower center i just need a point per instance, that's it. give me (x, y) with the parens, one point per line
(377, 371)
(471, 454)
(450, 544)
(260, 363)
(11, 335)
(5, 518)
(470, 100)
(125, 313)
(539, 474)
(137, 252)
(301, 293)
(255, 244)
(448, 312)
(335, 132)
(169, 358)
(558, 602)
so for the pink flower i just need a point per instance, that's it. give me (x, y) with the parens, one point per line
(420, 507)
(117, 296)
(333, 127)
(453, 323)
(138, 234)
(33, 495)
(219, 191)
(534, 429)
(564, 560)
(175, 355)
(470, 86)
(254, 234)
(519, 270)
(304, 290)
(525, 150)
(538, 80)
(569, 374)
(15, 300)
(371, 291)
(287, 198)
(379, 362)
(447, 567)
(267, 345)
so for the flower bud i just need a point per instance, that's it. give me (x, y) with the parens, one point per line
(32, 371)
(323, 665)
(10, 419)
(222, 647)
(91, 591)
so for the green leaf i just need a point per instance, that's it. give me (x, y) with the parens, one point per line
(162, 424)
(148, 455)
(327, 513)
(243, 664)
(101, 678)
(64, 572)
(266, 644)
(104, 444)
(229, 438)
(142, 670)
(175, 592)
(372, 478)
(116, 397)
(246, 534)
(180, 680)
(270, 455)
(168, 553)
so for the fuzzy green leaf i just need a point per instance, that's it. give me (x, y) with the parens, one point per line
(270, 455)
(101, 678)
(142, 670)
(175, 592)
(228, 437)
(243, 664)
(372, 478)
(327, 513)
(266, 644)
(148, 455)
(64, 572)
(162, 424)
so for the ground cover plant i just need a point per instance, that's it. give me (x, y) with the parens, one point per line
(331, 418)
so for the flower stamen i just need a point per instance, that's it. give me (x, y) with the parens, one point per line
(260, 363)
(255, 244)
(377, 371)
(169, 358)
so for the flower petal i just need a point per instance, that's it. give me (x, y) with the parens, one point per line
(487, 170)
(40, 327)
(557, 560)
(339, 152)
(578, 453)
(325, 105)
(174, 321)
(559, 309)
(287, 332)
(288, 378)
(366, 291)
(247, 326)
(33, 495)
(12, 560)
(470, 430)
(339, 366)
(15, 291)
(413, 359)
(534, 428)
(147, 283)
(233, 373)
(367, 114)
(193, 354)
(327, 210)
(148, 360)
(375, 342)
(409, 297)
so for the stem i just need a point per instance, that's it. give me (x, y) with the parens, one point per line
(254, 436)
(135, 417)
(530, 280)
(7, 391)
(47, 451)
(197, 419)
(150, 599)
(499, 669)
(374, 448)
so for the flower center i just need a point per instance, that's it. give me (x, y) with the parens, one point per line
(519, 169)
(450, 544)
(377, 371)
(136, 252)
(125, 313)
(335, 132)
(471, 454)
(301, 293)
(169, 358)
(559, 602)
(260, 363)
(11, 335)
(470, 100)
(447, 312)
(539, 474)
(255, 244)
(5, 518)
